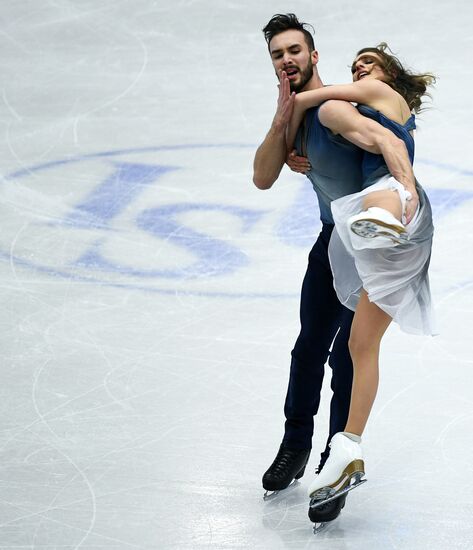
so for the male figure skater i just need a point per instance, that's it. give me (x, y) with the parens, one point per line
(332, 139)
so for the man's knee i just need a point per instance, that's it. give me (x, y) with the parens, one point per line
(342, 371)
(309, 354)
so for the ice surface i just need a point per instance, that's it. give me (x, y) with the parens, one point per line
(150, 291)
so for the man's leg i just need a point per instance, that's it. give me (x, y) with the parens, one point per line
(319, 312)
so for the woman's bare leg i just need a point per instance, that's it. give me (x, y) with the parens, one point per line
(368, 327)
(345, 461)
(387, 199)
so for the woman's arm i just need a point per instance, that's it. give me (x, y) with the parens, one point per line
(342, 118)
(367, 91)
(296, 119)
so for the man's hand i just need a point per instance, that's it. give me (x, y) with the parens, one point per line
(285, 102)
(297, 163)
(271, 154)
(285, 110)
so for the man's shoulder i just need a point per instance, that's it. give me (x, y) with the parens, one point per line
(321, 136)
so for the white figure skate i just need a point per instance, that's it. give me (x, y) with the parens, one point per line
(342, 472)
(378, 222)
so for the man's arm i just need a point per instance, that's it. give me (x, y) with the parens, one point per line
(342, 118)
(271, 154)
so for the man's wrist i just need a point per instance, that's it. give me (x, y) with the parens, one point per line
(407, 182)
(411, 188)
(278, 127)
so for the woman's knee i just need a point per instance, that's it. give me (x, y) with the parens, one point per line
(362, 347)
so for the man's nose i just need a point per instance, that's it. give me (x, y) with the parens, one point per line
(286, 58)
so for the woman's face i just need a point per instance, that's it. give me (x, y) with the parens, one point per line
(368, 65)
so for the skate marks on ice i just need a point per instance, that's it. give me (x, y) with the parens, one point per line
(273, 495)
(292, 500)
(129, 278)
(287, 516)
(285, 513)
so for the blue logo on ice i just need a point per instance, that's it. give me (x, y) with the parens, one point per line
(149, 225)
(181, 220)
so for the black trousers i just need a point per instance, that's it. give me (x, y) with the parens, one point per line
(325, 325)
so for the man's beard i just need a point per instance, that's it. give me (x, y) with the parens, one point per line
(306, 75)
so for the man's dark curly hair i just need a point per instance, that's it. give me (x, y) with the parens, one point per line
(288, 21)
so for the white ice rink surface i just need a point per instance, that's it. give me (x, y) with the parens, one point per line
(150, 292)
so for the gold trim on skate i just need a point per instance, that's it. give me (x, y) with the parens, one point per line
(398, 228)
(369, 228)
(355, 467)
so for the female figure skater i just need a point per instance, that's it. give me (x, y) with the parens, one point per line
(380, 248)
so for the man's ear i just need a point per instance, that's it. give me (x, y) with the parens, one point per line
(315, 57)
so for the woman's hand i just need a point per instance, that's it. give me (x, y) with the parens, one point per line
(411, 207)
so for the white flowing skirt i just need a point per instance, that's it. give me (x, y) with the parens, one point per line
(395, 276)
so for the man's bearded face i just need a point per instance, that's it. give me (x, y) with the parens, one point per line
(305, 75)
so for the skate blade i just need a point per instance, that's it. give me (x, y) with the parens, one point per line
(315, 503)
(318, 527)
(271, 495)
(354, 470)
(370, 228)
